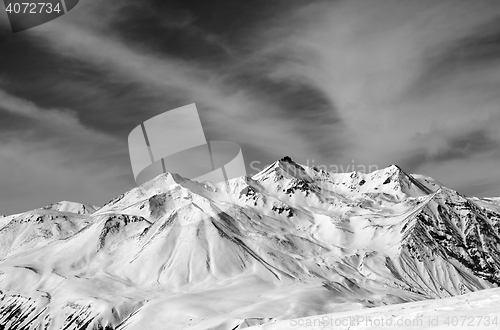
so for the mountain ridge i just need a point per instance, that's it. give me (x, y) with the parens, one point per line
(292, 232)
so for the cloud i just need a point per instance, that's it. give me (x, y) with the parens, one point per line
(55, 157)
(63, 118)
(410, 80)
(60, 128)
(337, 82)
(242, 114)
(33, 175)
(61, 158)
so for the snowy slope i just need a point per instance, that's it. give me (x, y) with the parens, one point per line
(478, 310)
(72, 207)
(291, 241)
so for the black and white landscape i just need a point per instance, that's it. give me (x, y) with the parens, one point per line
(329, 237)
(289, 242)
(328, 82)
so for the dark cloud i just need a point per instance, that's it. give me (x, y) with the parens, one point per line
(478, 50)
(468, 145)
(11, 124)
(463, 146)
(201, 31)
(339, 82)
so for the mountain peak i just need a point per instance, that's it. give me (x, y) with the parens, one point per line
(366, 239)
(283, 168)
(72, 207)
(164, 179)
(394, 167)
(287, 159)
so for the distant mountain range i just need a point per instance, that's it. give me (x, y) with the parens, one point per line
(290, 242)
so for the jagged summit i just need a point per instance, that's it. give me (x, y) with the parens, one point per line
(292, 240)
(72, 207)
(286, 168)
(391, 180)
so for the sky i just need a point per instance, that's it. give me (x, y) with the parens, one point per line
(344, 84)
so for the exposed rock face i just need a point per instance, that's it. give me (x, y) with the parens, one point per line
(291, 241)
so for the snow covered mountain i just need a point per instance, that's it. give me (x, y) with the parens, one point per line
(289, 242)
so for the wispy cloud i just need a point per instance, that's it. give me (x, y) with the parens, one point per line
(409, 79)
(54, 157)
(377, 82)
(63, 150)
(242, 115)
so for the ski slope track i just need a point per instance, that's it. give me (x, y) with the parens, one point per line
(290, 242)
